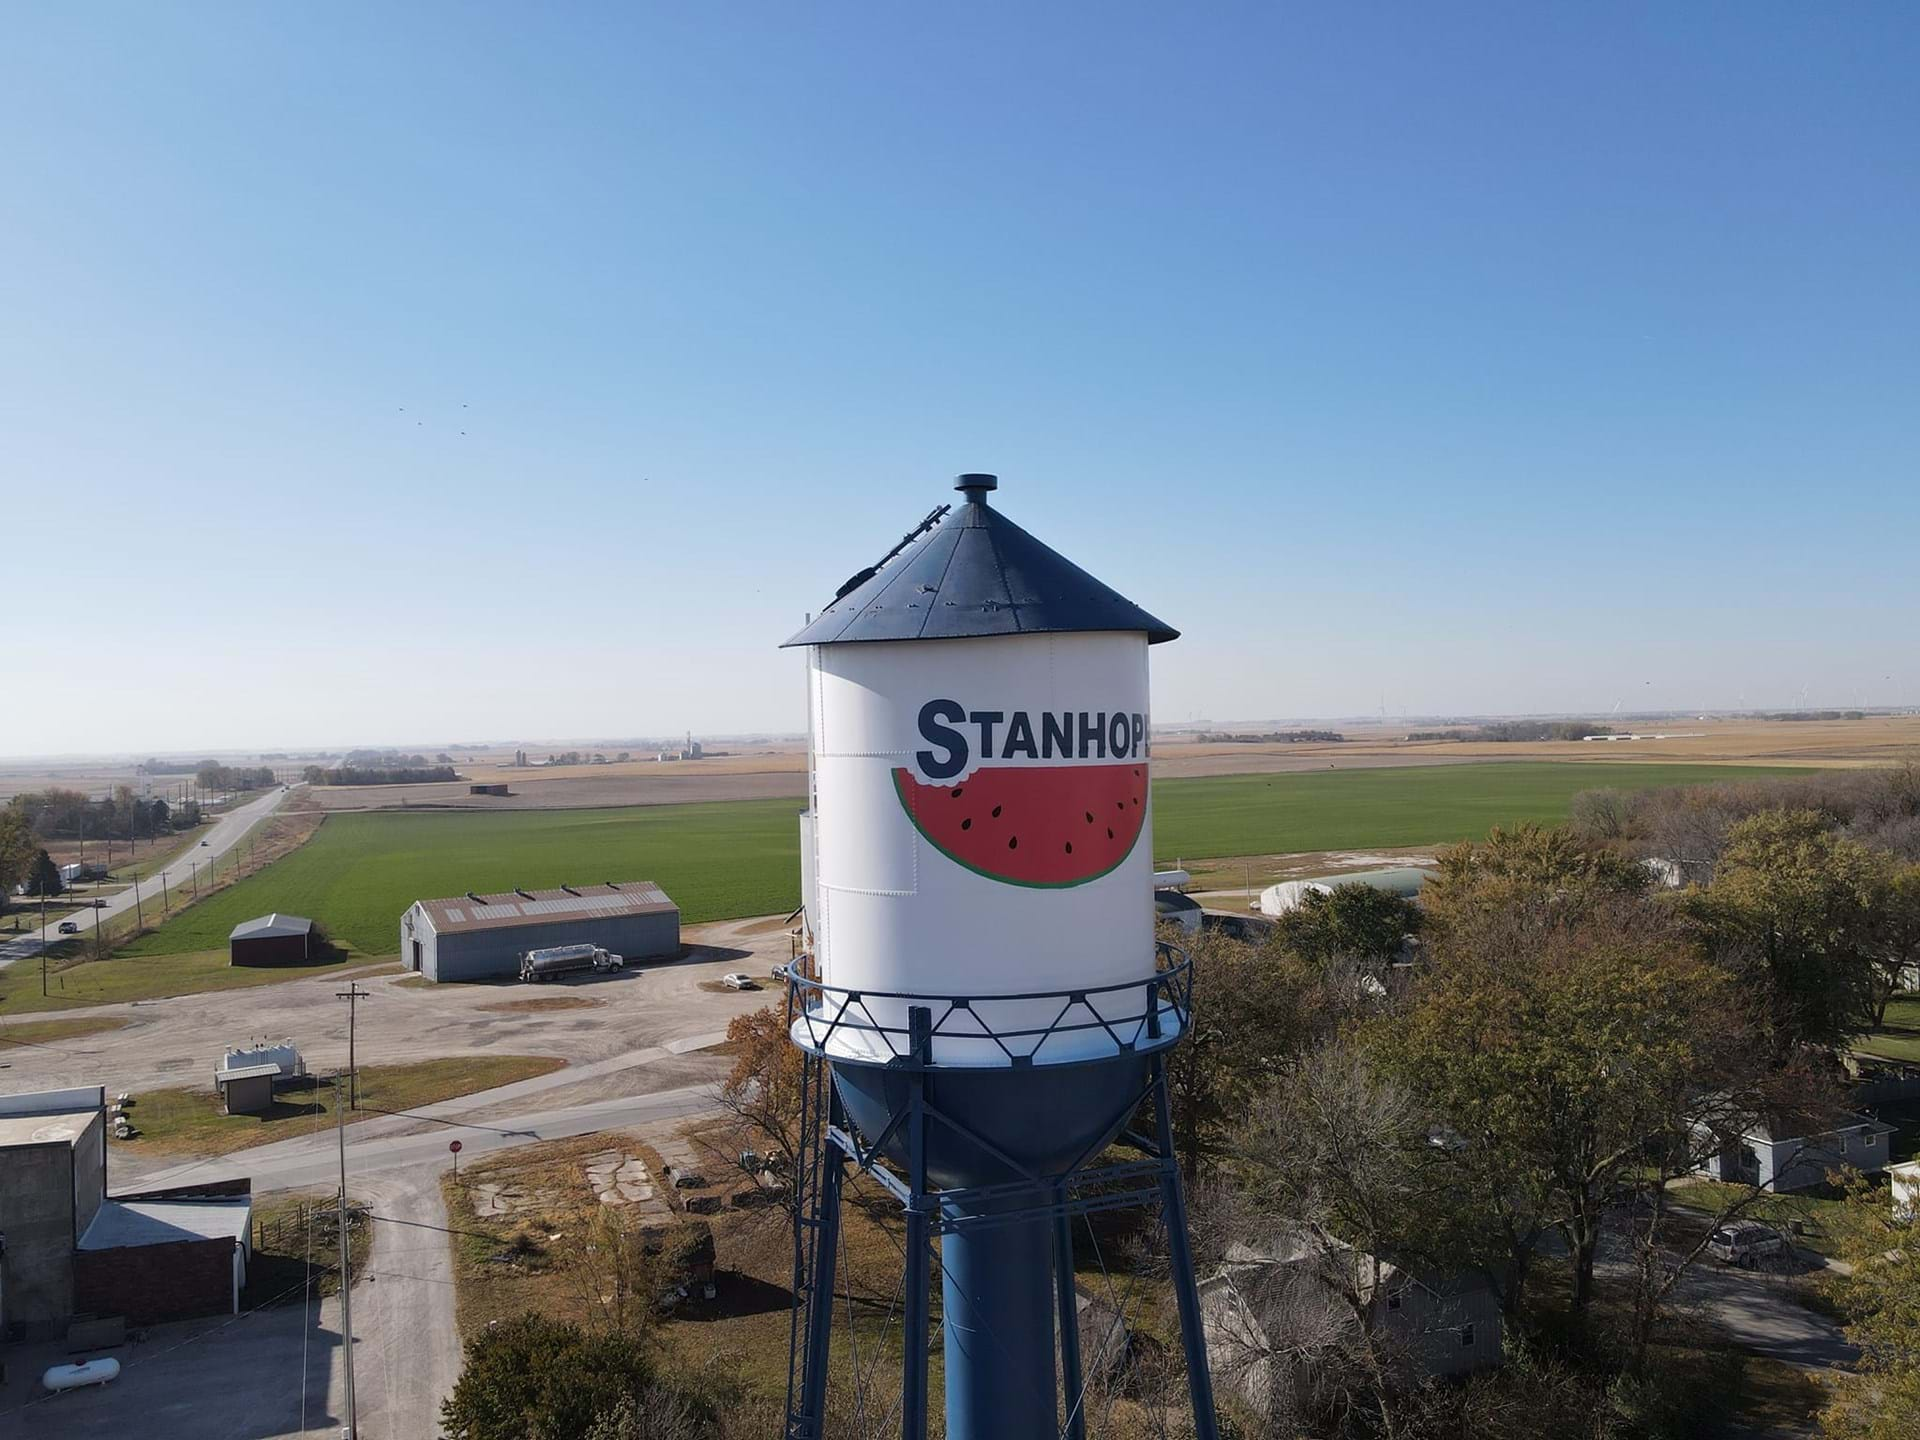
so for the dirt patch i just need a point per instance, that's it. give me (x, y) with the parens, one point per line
(540, 1003)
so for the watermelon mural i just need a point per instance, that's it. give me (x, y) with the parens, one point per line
(1049, 827)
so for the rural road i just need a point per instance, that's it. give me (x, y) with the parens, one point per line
(226, 833)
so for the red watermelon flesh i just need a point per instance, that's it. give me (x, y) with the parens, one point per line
(1049, 826)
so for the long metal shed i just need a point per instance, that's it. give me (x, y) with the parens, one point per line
(482, 937)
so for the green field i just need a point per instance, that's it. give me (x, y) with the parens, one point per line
(361, 871)
(1412, 805)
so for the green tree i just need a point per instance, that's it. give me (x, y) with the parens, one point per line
(43, 876)
(1881, 1299)
(1561, 1044)
(535, 1377)
(17, 849)
(1896, 941)
(1551, 873)
(1796, 906)
(1354, 922)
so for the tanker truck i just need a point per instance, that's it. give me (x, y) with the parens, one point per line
(559, 960)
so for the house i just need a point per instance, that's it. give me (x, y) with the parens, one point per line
(1779, 1155)
(1272, 1306)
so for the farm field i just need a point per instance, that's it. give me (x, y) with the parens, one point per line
(733, 858)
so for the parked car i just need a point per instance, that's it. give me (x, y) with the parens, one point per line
(779, 973)
(67, 927)
(203, 844)
(736, 980)
(1745, 1242)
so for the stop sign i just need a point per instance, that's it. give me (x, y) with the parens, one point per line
(454, 1146)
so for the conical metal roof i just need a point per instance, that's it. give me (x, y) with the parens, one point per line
(974, 572)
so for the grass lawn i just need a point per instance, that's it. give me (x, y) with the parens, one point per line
(74, 980)
(1899, 1038)
(46, 1032)
(741, 857)
(189, 1122)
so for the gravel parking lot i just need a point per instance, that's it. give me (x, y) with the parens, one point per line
(178, 1041)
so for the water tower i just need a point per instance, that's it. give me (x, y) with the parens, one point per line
(985, 990)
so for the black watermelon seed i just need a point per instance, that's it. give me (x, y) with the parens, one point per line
(996, 812)
(1136, 799)
(967, 824)
(1089, 817)
(1069, 847)
(1119, 804)
(955, 792)
(1109, 832)
(1013, 842)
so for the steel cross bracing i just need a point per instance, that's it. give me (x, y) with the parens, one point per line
(829, 1144)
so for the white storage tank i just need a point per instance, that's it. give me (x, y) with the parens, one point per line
(981, 819)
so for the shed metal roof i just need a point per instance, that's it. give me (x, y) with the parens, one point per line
(120, 1223)
(975, 573)
(270, 925)
(244, 1072)
(539, 907)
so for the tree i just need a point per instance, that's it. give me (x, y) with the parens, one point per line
(1881, 1299)
(17, 849)
(1562, 1041)
(535, 1377)
(1336, 1178)
(766, 1088)
(1252, 1010)
(1550, 871)
(1354, 922)
(1794, 905)
(43, 876)
(1896, 942)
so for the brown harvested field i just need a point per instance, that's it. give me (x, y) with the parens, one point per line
(779, 771)
(1877, 740)
(766, 774)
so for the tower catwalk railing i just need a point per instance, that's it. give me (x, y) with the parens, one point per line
(1140, 1020)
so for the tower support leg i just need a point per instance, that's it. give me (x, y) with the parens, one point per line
(826, 1247)
(917, 1287)
(1068, 1298)
(1186, 1291)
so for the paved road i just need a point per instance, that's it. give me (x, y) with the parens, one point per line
(226, 833)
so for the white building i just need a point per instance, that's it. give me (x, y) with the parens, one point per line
(1795, 1162)
(1402, 880)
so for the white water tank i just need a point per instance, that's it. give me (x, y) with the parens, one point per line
(982, 822)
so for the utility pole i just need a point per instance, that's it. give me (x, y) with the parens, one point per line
(165, 903)
(353, 995)
(138, 918)
(193, 873)
(346, 1268)
(43, 940)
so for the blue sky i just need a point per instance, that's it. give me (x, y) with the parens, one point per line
(1487, 358)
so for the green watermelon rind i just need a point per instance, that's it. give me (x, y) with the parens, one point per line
(906, 804)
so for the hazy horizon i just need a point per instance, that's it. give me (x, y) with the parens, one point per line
(483, 371)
